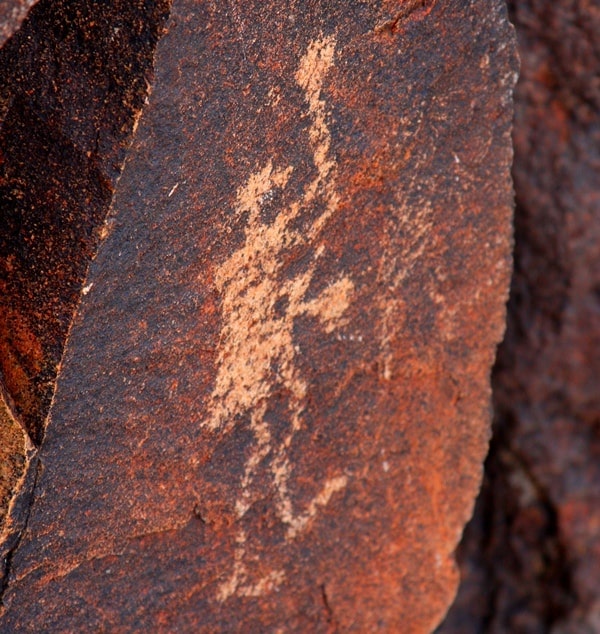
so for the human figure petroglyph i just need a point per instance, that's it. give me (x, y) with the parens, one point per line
(257, 353)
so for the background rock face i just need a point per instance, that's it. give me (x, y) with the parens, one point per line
(273, 406)
(531, 556)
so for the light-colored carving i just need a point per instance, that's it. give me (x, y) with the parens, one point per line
(257, 352)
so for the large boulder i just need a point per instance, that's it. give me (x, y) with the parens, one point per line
(274, 403)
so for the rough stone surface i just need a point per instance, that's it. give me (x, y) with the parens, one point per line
(531, 557)
(274, 403)
(12, 13)
(72, 81)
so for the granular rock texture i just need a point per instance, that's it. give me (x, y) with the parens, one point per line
(274, 402)
(72, 81)
(531, 557)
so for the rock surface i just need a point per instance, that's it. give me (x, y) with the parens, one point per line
(531, 557)
(274, 403)
(15, 445)
(72, 82)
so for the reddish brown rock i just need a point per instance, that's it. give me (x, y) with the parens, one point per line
(531, 558)
(274, 403)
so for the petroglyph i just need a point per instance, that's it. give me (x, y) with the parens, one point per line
(257, 352)
(395, 265)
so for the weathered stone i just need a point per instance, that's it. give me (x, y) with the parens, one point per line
(273, 407)
(16, 451)
(531, 557)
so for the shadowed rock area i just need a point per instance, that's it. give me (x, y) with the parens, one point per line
(72, 82)
(274, 403)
